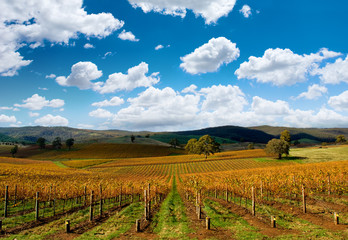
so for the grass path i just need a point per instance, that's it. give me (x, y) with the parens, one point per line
(172, 222)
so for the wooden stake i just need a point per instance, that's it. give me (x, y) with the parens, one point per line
(273, 222)
(137, 225)
(207, 223)
(336, 218)
(67, 226)
(37, 206)
(6, 202)
(91, 206)
(199, 212)
(329, 185)
(304, 199)
(253, 200)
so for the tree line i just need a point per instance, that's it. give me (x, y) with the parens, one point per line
(56, 143)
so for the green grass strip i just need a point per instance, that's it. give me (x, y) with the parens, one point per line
(172, 222)
(222, 217)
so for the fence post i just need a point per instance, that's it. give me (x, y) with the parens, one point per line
(145, 205)
(0, 226)
(226, 194)
(37, 206)
(67, 226)
(15, 195)
(85, 196)
(273, 221)
(91, 207)
(6, 201)
(329, 185)
(304, 199)
(207, 223)
(101, 201)
(137, 225)
(199, 211)
(253, 200)
(336, 218)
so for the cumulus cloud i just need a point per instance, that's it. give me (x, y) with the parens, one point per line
(210, 10)
(314, 92)
(85, 126)
(190, 89)
(115, 101)
(34, 114)
(334, 73)
(265, 107)
(135, 77)
(158, 109)
(100, 113)
(210, 56)
(158, 47)
(37, 102)
(88, 46)
(82, 73)
(7, 119)
(245, 10)
(127, 36)
(50, 120)
(51, 76)
(6, 108)
(34, 22)
(339, 102)
(282, 66)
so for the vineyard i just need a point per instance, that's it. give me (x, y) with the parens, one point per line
(231, 195)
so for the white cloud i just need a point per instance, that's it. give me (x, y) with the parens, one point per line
(51, 76)
(34, 114)
(6, 108)
(158, 47)
(37, 102)
(245, 10)
(16, 109)
(339, 102)
(158, 109)
(34, 22)
(190, 89)
(107, 54)
(101, 113)
(88, 46)
(265, 107)
(282, 66)
(127, 36)
(7, 119)
(50, 120)
(43, 89)
(314, 92)
(210, 10)
(85, 126)
(115, 101)
(210, 56)
(82, 73)
(334, 73)
(135, 77)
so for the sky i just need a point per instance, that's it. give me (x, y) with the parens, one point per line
(173, 64)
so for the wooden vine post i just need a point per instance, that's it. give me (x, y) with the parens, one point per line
(329, 185)
(91, 206)
(101, 200)
(253, 200)
(67, 226)
(304, 199)
(37, 206)
(15, 195)
(273, 222)
(207, 223)
(85, 196)
(6, 202)
(336, 218)
(149, 200)
(226, 194)
(137, 225)
(145, 205)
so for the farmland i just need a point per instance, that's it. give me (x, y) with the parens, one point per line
(102, 190)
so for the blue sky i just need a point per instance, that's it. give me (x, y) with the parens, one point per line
(173, 64)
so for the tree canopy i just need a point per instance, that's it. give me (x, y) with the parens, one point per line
(341, 139)
(14, 150)
(205, 145)
(285, 135)
(57, 143)
(277, 146)
(69, 142)
(174, 142)
(41, 142)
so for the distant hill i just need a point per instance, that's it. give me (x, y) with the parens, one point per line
(223, 134)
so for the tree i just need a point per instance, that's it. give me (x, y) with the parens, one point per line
(41, 142)
(69, 143)
(191, 146)
(251, 146)
(57, 143)
(277, 146)
(132, 138)
(341, 139)
(285, 135)
(174, 142)
(205, 145)
(14, 150)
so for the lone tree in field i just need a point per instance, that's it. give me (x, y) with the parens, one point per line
(341, 139)
(14, 150)
(277, 146)
(69, 143)
(41, 142)
(174, 142)
(132, 138)
(285, 135)
(205, 145)
(57, 143)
